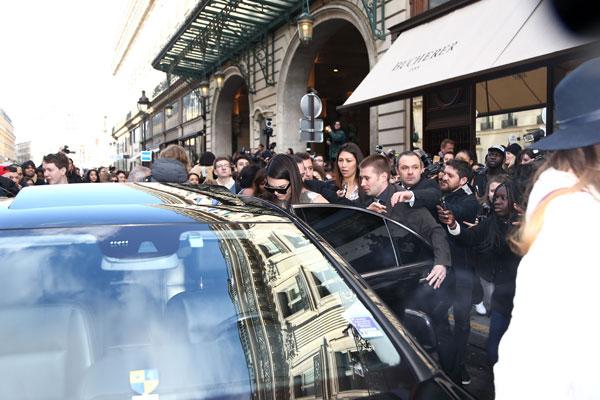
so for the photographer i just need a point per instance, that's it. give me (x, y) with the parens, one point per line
(494, 162)
(417, 192)
(489, 241)
(460, 200)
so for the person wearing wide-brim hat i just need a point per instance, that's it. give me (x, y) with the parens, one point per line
(550, 350)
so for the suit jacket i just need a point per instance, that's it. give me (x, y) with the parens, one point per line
(427, 194)
(419, 220)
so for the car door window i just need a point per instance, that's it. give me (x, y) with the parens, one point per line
(410, 249)
(360, 237)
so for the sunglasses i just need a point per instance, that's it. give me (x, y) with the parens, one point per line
(280, 190)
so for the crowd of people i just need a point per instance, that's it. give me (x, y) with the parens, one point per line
(479, 205)
(476, 216)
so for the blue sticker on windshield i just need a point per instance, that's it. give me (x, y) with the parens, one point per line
(144, 382)
(362, 320)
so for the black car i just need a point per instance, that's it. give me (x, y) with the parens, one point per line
(390, 257)
(148, 291)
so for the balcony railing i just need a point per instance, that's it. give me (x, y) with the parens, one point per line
(486, 125)
(539, 120)
(507, 123)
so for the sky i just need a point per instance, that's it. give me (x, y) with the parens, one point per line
(56, 68)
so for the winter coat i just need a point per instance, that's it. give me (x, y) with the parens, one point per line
(168, 170)
(464, 207)
(427, 194)
(550, 350)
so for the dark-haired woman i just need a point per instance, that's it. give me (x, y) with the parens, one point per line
(526, 156)
(91, 176)
(284, 181)
(345, 186)
(489, 241)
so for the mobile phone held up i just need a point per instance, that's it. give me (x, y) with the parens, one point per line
(443, 204)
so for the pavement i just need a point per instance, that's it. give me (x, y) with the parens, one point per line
(482, 376)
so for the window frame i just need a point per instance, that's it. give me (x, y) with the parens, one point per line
(386, 220)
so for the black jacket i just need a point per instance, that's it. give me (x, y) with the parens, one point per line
(464, 206)
(419, 220)
(74, 178)
(7, 187)
(327, 189)
(501, 257)
(427, 194)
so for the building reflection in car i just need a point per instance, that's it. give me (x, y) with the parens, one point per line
(222, 310)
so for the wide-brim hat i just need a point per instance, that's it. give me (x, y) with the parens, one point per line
(577, 110)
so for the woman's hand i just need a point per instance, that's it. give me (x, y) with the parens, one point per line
(520, 213)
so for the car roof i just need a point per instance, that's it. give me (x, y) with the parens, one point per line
(51, 206)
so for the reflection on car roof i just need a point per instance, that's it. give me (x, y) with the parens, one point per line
(131, 203)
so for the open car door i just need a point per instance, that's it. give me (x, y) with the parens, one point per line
(389, 256)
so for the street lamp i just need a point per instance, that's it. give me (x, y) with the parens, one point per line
(204, 86)
(305, 24)
(305, 27)
(143, 103)
(219, 79)
(169, 111)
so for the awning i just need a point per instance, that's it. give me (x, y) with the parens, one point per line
(218, 30)
(482, 38)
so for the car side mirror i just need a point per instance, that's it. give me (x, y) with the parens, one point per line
(419, 325)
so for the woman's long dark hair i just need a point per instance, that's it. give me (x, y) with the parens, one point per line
(283, 166)
(358, 156)
(495, 241)
(87, 176)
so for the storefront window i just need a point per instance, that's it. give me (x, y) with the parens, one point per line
(157, 121)
(191, 107)
(508, 108)
(419, 6)
(191, 146)
(505, 129)
(173, 120)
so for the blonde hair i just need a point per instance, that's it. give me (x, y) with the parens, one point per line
(176, 152)
(585, 164)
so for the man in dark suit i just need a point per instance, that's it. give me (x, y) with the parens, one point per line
(417, 192)
(374, 181)
(434, 299)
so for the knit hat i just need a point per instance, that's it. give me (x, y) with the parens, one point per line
(514, 149)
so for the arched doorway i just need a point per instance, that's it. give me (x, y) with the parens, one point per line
(231, 117)
(334, 64)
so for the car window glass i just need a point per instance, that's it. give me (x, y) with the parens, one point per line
(186, 311)
(409, 247)
(360, 237)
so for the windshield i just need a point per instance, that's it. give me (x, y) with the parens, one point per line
(184, 311)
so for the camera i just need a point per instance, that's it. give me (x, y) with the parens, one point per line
(245, 151)
(430, 169)
(268, 129)
(66, 150)
(533, 136)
